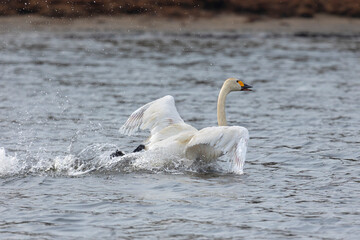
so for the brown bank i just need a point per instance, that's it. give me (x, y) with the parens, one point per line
(180, 8)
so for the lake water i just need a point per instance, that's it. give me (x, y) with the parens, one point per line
(64, 96)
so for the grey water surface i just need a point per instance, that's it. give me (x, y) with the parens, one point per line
(64, 95)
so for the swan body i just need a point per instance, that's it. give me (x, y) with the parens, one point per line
(169, 131)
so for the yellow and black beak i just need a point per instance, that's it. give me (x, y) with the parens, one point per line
(246, 87)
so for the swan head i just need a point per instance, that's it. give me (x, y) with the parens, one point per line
(235, 84)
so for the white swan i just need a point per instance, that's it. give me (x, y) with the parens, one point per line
(170, 132)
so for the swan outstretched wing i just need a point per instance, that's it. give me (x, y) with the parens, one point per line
(155, 116)
(223, 140)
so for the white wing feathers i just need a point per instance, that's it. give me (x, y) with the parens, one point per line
(240, 156)
(224, 138)
(155, 116)
(227, 139)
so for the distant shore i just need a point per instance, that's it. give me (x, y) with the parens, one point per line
(221, 22)
(180, 8)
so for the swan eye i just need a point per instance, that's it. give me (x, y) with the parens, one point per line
(241, 83)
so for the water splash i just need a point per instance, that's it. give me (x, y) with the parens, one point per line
(8, 164)
(161, 161)
(96, 158)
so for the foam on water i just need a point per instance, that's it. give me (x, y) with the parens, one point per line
(8, 164)
(95, 158)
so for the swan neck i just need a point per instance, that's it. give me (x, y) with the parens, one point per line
(221, 115)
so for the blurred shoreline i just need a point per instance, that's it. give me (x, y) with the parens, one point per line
(180, 8)
(321, 23)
